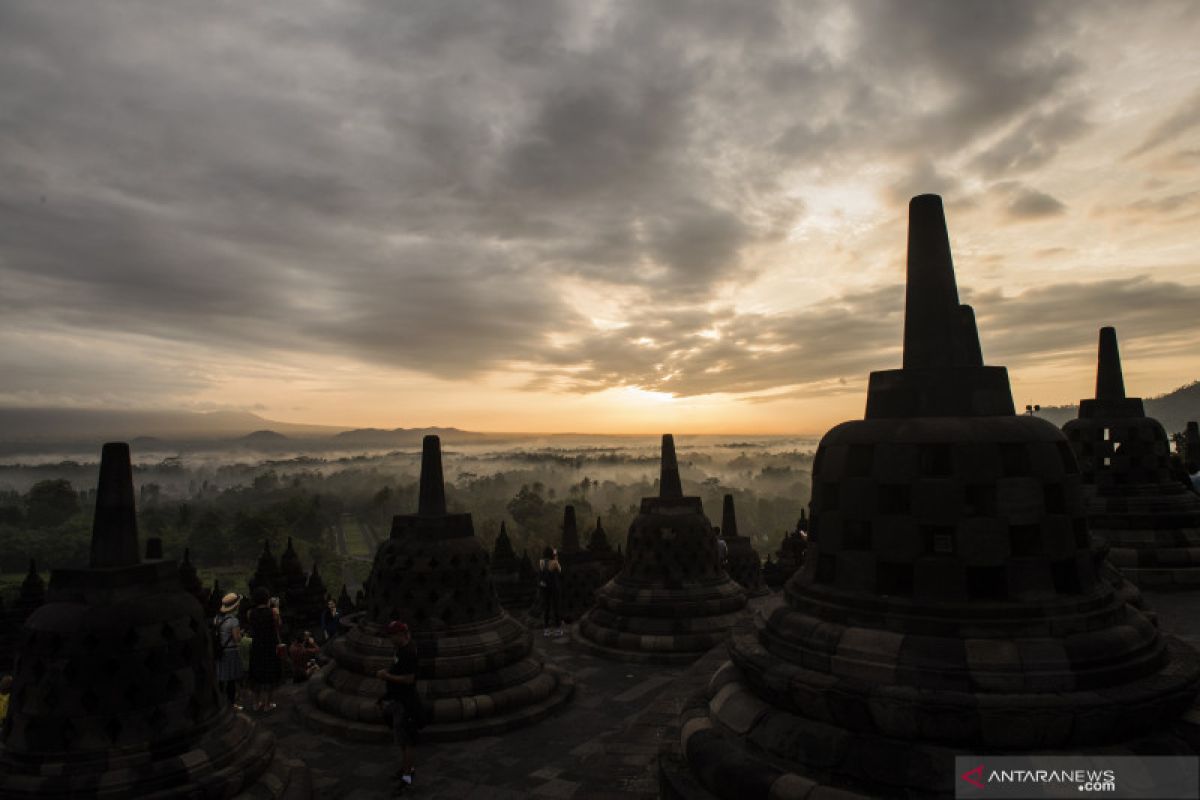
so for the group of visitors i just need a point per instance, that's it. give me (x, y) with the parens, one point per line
(251, 655)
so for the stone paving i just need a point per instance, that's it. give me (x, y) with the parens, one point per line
(603, 744)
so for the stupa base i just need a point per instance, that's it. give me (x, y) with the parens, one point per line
(351, 725)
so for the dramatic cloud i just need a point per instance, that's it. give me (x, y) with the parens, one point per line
(428, 190)
(1032, 204)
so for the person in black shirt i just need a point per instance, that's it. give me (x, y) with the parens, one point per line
(403, 704)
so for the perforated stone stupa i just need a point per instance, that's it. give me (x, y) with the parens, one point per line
(950, 601)
(1150, 522)
(672, 601)
(745, 566)
(477, 670)
(114, 694)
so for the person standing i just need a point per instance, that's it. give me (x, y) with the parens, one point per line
(403, 704)
(266, 668)
(330, 619)
(550, 582)
(722, 550)
(229, 634)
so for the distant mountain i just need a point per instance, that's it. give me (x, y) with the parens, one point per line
(264, 437)
(48, 425)
(1172, 409)
(405, 437)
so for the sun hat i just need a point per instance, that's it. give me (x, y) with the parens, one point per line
(230, 602)
(396, 626)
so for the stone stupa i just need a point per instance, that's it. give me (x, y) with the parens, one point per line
(515, 591)
(477, 674)
(1149, 521)
(950, 602)
(115, 695)
(583, 572)
(672, 601)
(745, 566)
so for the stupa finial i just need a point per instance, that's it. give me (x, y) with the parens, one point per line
(114, 526)
(933, 319)
(1110, 382)
(669, 484)
(433, 487)
(728, 519)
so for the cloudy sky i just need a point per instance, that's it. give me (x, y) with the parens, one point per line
(586, 216)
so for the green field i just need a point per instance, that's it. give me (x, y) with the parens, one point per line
(358, 544)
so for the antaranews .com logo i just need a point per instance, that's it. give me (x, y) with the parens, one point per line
(997, 777)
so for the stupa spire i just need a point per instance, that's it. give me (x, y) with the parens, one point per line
(728, 519)
(433, 486)
(1110, 382)
(114, 526)
(669, 484)
(933, 319)
(570, 534)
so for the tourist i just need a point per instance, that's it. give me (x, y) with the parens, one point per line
(6, 682)
(550, 582)
(303, 653)
(330, 619)
(229, 634)
(265, 665)
(722, 550)
(403, 706)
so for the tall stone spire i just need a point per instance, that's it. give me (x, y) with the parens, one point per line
(433, 486)
(728, 519)
(943, 374)
(570, 534)
(668, 481)
(1110, 382)
(932, 321)
(114, 527)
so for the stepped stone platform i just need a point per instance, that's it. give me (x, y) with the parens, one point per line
(1148, 519)
(672, 600)
(115, 694)
(476, 669)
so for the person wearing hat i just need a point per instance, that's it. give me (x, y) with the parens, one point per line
(403, 704)
(229, 633)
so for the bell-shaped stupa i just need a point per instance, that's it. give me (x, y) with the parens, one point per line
(672, 600)
(950, 602)
(744, 566)
(477, 671)
(115, 694)
(1148, 519)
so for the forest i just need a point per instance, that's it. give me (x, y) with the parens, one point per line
(337, 510)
